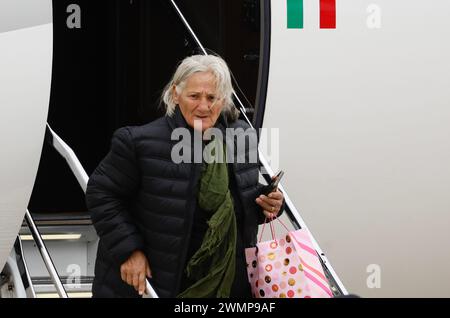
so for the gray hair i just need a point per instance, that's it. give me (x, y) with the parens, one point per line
(202, 63)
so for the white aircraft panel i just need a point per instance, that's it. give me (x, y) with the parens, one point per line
(25, 77)
(364, 123)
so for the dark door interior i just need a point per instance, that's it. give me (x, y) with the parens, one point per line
(110, 73)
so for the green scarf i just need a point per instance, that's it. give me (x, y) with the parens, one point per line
(212, 267)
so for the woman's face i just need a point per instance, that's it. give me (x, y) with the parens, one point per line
(199, 101)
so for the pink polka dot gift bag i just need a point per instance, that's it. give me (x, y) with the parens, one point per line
(288, 267)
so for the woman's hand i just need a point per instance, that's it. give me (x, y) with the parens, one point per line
(271, 204)
(134, 271)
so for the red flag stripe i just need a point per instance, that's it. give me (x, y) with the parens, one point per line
(328, 14)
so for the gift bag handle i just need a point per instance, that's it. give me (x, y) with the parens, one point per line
(272, 228)
(273, 231)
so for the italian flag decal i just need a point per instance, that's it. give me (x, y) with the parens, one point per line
(327, 14)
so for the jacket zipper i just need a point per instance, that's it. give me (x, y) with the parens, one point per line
(195, 175)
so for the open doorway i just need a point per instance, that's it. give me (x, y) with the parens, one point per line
(110, 72)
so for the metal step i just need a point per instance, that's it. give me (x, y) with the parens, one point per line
(80, 287)
(73, 249)
(61, 218)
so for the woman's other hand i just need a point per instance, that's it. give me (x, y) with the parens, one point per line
(271, 204)
(135, 270)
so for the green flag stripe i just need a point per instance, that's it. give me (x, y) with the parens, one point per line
(295, 14)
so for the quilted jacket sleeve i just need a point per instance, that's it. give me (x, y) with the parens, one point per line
(110, 187)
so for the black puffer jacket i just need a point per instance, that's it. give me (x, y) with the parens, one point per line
(140, 199)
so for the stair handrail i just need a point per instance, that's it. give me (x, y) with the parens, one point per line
(82, 177)
(45, 256)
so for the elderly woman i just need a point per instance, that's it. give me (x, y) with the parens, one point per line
(184, 225)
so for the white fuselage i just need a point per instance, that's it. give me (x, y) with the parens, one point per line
(364, 122)
(26, 40)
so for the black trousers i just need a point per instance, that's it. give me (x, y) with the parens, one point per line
(241, 286)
